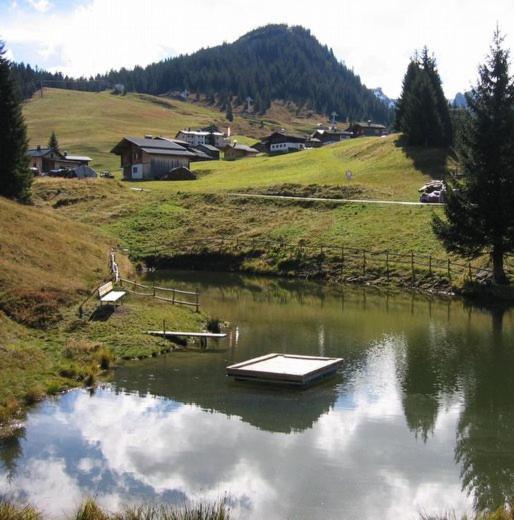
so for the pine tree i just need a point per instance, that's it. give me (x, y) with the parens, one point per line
(422, 112)
(53, 142)
(15, 176)
(443, 110)
(480, 209)
(408, 80)
(229, 114)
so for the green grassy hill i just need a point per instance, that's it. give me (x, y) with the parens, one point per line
(380, 168)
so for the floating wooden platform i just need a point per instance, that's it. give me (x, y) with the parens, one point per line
(172, 333)
(285, 369)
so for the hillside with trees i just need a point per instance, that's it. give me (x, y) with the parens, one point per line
(269, 63)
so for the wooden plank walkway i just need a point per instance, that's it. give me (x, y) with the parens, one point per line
(173, 333)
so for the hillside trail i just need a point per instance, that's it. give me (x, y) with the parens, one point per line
(335, 201)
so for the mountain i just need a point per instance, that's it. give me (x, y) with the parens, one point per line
(379, 94)
(275, 62)
(460, 100)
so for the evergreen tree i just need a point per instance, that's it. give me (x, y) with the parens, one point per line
(53, 142)
(408, 80)
(480, 209)
(443, 110)
(422, 112)
(229, 114)
(15, 176)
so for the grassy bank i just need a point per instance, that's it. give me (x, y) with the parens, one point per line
(89, 510)
(201, 230)
(48, 265)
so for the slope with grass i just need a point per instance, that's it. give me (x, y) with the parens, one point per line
(90, 123)
(381, 167)
(48, 264)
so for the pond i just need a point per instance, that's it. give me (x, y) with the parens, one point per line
(420, 419)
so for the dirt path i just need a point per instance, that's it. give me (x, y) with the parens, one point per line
(336, 201)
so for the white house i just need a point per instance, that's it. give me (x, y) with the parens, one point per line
(197, 137)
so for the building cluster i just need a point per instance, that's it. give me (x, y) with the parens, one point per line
(156, 157)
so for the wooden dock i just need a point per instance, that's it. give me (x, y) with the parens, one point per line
(286, 369)
(172, 333)
(202, 336)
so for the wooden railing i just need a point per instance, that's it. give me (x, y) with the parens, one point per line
(167, 294)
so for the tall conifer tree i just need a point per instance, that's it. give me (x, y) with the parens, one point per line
(15, 176)
(480, 207)
(53, 142)
(422, 112)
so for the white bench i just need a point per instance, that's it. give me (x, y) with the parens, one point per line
(107, 294)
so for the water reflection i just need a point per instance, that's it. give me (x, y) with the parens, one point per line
(421, 419)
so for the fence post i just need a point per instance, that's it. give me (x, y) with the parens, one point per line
(469, 272)
(153, 286)
(387, 264)
(173, 297)
(449, 270)
(164, 328)
(412, 266)
(197, 300)
(363, 262)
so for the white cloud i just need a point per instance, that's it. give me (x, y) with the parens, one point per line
(375, 38)
(40, 5)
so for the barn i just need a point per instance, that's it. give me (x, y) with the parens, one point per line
(151, 157)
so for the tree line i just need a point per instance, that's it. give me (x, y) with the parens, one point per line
(273, 62)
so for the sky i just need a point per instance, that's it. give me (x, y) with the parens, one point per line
(374, 38)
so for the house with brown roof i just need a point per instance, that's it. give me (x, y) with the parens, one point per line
(238, 151)
(367, 129)
(280, 142)
(151, 157)
(44, 160)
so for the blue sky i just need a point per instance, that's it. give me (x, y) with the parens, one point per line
(375, 38)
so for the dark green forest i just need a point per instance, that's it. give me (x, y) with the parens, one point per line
(275, 62)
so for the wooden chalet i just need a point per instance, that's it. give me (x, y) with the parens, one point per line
(151, 157)
(280, 142)
(367, 129)
(322, 137)
(238, 151)
(45, 160)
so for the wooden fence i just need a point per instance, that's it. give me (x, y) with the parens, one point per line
(166, 294)
(347, 261)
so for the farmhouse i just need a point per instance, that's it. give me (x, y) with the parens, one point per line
(210, 150)
(367, 129)
(238, 151)
(151, 157)
(201, 137)
(279, 142)
(321, 137)
(45, 160)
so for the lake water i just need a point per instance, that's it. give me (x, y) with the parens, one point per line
(420, 419)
